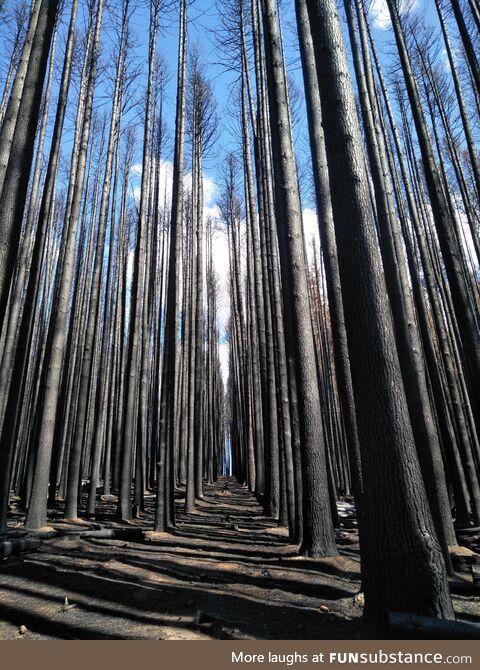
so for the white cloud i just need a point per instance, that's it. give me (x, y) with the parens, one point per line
(136, 194)
(310, 224)
(224, 353)
(445, 62)
(381, 16)
(165, 179)
(221, 262)
(310, 230)
(210, 188)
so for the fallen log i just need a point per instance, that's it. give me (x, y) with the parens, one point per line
(463, 587)
(467, 531)
(406, 624)
(18, 546)
(132, 534)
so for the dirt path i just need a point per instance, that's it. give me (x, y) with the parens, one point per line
(227, 573)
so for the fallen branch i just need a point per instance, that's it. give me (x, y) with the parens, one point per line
(406, 624)
(18, 546)
(464, 587)
(467, 531)
(133, 534)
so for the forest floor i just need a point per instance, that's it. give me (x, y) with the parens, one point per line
(226, 573)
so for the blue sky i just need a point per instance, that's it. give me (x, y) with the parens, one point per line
(203, 21)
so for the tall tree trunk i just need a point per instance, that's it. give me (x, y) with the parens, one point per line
(47, 408)
(465, 312)
(164, 511)
(18, 161)
(137, 290)
(401, 570)
(319, 538)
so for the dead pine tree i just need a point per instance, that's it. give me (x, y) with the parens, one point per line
(164, 510)
(47, 407)
(16, 151)
(411, 576)
(201, 126)
(138, 289)
(318, 535)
